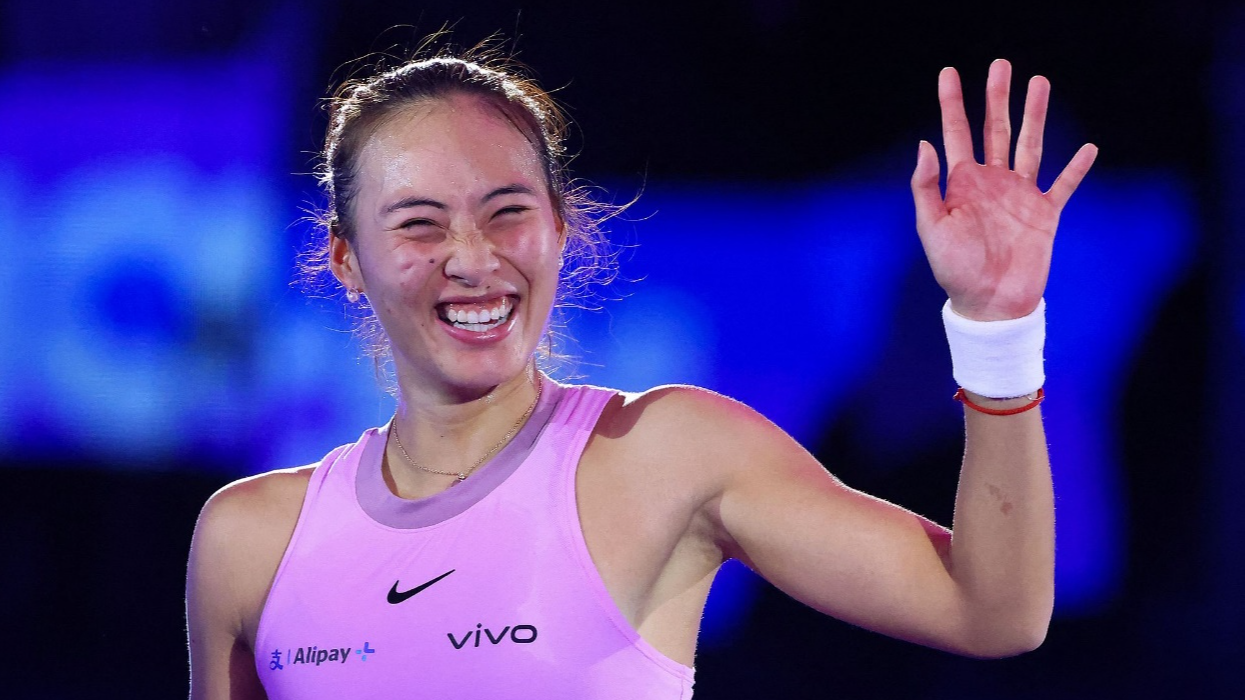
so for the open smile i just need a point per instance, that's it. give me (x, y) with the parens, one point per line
(480, 319)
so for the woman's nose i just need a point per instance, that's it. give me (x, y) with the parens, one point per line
(472, 260)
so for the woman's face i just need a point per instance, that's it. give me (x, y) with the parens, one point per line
(457, 243)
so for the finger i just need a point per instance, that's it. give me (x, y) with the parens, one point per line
(925, 192)
(956, 138)
(1072, 174)
(1029, 143)
(997, 139)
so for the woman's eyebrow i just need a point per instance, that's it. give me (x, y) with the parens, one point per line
(514, 188)
(410, 202)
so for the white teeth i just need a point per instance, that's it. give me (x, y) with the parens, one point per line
(480, 320)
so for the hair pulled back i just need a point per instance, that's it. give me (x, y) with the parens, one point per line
(361, 105)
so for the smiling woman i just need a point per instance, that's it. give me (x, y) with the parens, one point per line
(494, 88)
(452, 213)
(506, 535)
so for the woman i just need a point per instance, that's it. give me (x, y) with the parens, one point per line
(507, 536)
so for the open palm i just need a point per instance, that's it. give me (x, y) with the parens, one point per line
(989, 240)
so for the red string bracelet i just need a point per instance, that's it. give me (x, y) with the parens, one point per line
(963, 398)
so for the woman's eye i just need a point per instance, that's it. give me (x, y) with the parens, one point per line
(510, 210)
(413, 223)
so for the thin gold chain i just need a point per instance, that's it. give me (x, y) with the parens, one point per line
(462, 476)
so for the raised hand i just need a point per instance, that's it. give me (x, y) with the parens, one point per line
(989, 240)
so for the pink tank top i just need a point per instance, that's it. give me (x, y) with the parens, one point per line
(485, 590)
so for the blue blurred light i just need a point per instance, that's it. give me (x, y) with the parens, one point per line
(734, 589)
(1123, 245)
(1239, 314)
(137, 298)
(779, 297)
(143, 198)
(17, 288)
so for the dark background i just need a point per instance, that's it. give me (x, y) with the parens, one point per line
(93, 556)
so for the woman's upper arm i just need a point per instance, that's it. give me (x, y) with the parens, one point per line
(847, 554)
(238, 542)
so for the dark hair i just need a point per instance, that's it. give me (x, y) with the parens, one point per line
(361, 105)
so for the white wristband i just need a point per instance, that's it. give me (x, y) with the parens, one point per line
(997, 359)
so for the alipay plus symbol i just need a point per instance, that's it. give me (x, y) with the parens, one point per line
(364, 651)
(275, 664)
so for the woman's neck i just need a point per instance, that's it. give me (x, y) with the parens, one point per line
(447, 432)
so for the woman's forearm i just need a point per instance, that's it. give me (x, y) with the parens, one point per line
(1002, 547)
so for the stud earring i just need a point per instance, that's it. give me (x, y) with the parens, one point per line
(353, 295)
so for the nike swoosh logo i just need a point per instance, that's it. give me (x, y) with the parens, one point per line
(395, 597)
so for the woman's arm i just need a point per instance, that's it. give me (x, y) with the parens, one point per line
(1003, 542)
(987, 589)
(984, 591)
(238, 543)
(221, 664)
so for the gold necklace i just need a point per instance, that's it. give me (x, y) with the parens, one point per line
(462, 476)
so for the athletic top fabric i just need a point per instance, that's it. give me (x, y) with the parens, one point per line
(485, 590)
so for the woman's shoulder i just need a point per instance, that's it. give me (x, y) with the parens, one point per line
(679, 449)
(252, 518)
(259, 497)
(683, 424)
(270, 498)
(239, 539)
(672, 408)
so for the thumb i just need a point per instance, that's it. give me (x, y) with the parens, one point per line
(925, 192)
